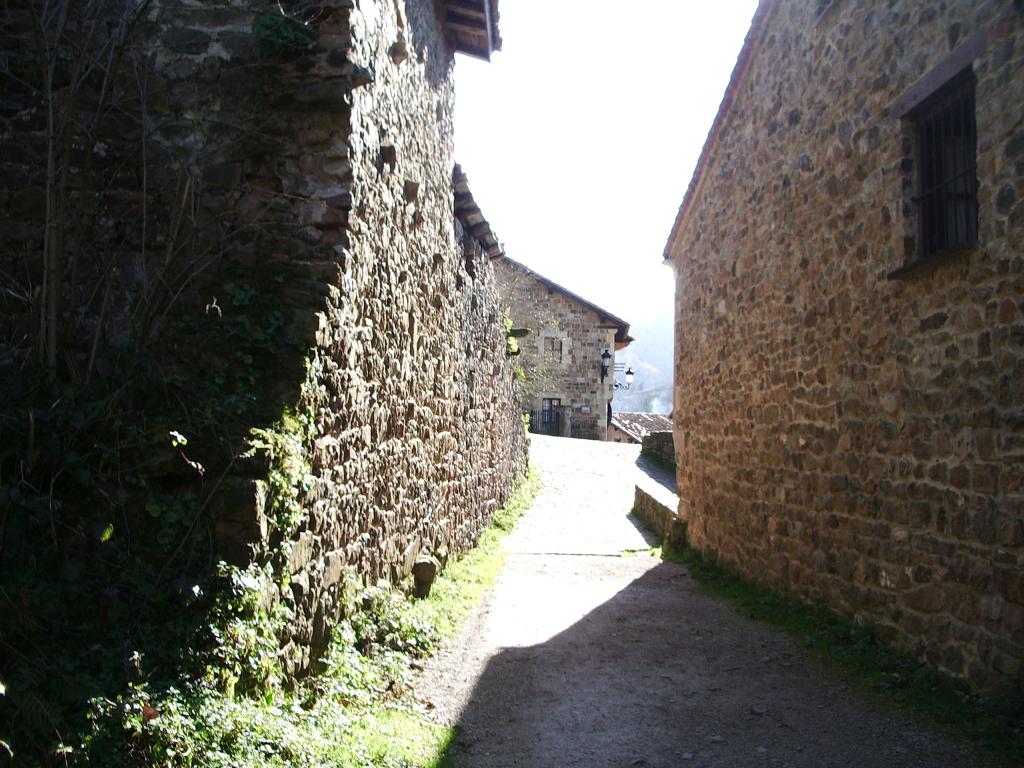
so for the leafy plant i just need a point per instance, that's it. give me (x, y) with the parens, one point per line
(290, 476)
(354, 713)
(281, 36)
(511, 335)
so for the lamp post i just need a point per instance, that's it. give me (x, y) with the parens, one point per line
(627, 375)
(606, 363)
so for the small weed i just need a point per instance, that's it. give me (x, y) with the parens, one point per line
(648, 551)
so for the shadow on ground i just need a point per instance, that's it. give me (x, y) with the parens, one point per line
(652, 539)
(657, 472)
(660, 675)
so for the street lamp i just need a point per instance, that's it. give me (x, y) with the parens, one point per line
(606, 363)
(629, 379)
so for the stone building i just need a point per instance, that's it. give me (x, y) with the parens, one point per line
(568, 354)
(256, 236)
(849, 266)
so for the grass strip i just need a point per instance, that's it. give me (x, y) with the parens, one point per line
(463, 582)
(892, 677)
(357, 712)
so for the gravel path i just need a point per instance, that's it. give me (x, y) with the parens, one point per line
(584, 656)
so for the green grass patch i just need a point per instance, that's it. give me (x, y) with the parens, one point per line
(398, 737)
(357, 712)
(649, 551)
(854, 650)
(463, 582)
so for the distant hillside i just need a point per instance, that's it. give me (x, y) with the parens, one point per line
(650, 357)
(657, 400)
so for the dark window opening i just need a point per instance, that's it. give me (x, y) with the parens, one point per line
(947, 196)
(551, 416)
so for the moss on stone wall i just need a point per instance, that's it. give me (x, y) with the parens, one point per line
(250, 276)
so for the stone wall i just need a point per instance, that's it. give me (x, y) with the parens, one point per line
(574, 376)
(292, 186)
(417, 435)
(657, 510)
(857, 439)
(616, 435)
(661, 446)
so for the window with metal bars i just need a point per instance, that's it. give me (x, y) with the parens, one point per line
(947, 178)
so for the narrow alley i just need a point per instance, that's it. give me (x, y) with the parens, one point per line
(591, 652)
(295, 295)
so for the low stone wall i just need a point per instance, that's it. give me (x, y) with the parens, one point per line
(659, 516)
(661, 446)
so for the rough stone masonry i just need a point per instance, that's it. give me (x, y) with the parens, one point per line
(845, 428)
(288, 179)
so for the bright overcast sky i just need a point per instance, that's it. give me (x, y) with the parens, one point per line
(580, 136)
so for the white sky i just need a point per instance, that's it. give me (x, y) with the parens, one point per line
(580, 136)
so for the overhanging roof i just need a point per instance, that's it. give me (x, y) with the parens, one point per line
(738, 72)
(639, 425)
(606, 318)
(472, 218)
(472, 26)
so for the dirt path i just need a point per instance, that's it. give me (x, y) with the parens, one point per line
(585, 657)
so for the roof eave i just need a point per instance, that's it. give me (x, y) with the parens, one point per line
(621, 326)
(472, 26)
(735, 80)
(472, 218)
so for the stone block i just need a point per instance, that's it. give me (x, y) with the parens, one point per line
(186, 40)
(424, 571)
(333, 569)
(301, 552)
(241, 501)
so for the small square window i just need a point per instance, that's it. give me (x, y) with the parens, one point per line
(946, 141)
(553, 349)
